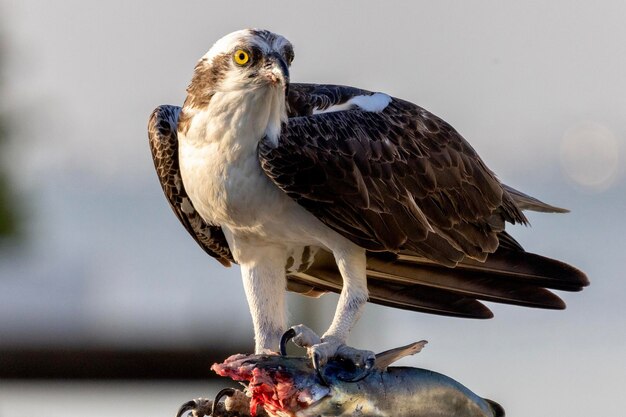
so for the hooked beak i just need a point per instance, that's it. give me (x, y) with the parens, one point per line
(276, 70)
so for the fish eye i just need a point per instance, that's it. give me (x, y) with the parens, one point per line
(241, 57)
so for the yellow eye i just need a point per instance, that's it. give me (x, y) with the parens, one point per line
(241, 57)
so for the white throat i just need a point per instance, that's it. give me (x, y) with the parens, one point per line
(239, 119)
(277, 115)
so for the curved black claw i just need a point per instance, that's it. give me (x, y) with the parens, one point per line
(319, 370)
(188, 406)
(369, 365)
(226, 392)
(287, 336)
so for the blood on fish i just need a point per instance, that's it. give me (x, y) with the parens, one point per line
(271, 389)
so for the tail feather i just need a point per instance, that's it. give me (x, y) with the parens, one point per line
(526, 202)
(518, 266)
(406, 297)
(411, 282)
(469, 283)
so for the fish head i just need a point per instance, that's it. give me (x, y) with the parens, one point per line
(282, 385)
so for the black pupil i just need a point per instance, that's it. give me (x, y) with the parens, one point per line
(242, 56)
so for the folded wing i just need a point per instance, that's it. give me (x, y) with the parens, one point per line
(163, 139)
(390, 180)
(408, 276)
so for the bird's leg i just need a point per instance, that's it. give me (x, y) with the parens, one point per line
(264, 282)
(265, 285)
(351, 263)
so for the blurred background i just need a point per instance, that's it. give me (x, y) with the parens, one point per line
(108, 307)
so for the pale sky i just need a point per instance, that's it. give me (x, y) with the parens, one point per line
(538, 88)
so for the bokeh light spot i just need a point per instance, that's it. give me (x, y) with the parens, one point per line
(590, 154)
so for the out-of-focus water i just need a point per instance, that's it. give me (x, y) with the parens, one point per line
(99, 398)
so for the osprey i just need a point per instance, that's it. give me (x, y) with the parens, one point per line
(315, 188)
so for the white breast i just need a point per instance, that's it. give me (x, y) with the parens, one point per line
(225, 182)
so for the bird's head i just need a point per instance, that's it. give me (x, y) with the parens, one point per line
(245, 60)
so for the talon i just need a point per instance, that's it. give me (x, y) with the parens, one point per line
(318, 369)
(287, 336)
(226, 392)
(188, 406)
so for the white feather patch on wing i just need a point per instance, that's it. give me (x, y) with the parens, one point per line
(376, 102)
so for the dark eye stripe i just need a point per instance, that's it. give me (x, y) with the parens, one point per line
(255, 54)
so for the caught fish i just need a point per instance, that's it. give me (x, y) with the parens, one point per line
(289, 386)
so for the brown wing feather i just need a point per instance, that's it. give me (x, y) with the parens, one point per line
(398, 179)
(163, 141)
